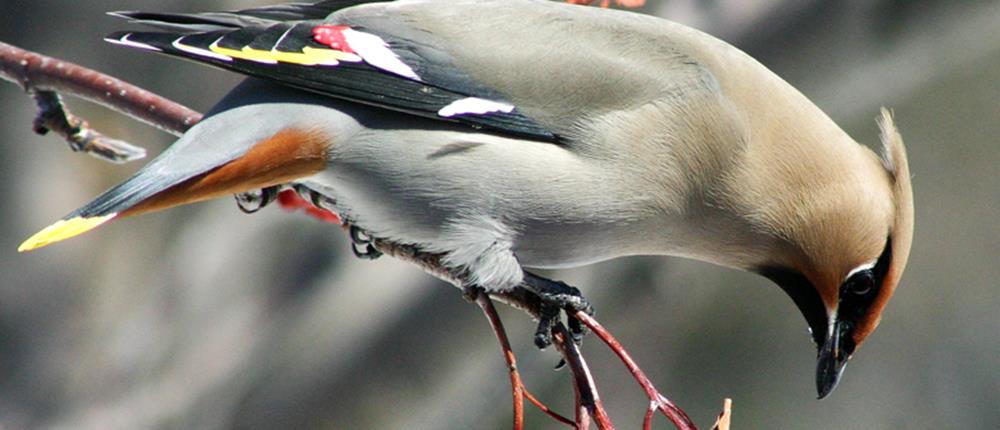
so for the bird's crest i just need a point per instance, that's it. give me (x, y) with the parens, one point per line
(901, 237)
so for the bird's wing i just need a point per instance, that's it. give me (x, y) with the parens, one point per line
(541, 70)
(209, 21)
(326, 56)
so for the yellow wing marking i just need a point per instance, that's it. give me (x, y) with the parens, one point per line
(308, 57)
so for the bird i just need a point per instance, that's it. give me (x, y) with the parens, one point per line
(507, 136)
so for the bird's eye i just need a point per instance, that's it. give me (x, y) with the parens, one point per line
(861, 283)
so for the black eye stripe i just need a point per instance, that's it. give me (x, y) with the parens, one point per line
(856, 295)
(858, 292)
(867, 282)
(881, 268)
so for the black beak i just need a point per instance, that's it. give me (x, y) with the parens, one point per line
(830, 362)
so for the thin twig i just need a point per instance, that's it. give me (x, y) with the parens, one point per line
(516, 385)
(44, 77)
(657, 400)
(548, 411)
(34, 71)
(53, 116)
(519, 390)
(589, 404)
(726, 417)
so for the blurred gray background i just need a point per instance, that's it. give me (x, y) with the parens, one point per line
(202, 317)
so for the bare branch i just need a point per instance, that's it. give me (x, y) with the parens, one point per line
(725, 418)
(520, 392)
(541, 406)
(589, 405)
(657, 400)
(53, 116)
(44, 77)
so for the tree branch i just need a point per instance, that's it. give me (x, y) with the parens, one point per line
(44, 77)
(53, 116)
(519, 391)
(656, 400)
(725, 418)
(588, 401)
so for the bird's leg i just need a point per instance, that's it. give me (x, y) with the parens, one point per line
(471, 292)
(556, 296)
(363, 244)
(253, 201)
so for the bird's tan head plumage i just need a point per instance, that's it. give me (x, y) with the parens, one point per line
(846, 225)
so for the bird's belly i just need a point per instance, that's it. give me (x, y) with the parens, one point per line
(430, 222)
(442, 190)
(572, 245)
(409, 218)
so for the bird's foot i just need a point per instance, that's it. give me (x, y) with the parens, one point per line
(557, 297)
(319, 200)
(363, 244)
(253, 201)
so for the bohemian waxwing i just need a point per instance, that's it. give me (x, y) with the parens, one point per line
(521, 133)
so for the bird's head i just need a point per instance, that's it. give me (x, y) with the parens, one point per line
(847, 248)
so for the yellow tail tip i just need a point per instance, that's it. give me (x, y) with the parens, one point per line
(62, 230)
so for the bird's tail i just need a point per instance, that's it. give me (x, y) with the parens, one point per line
(211, 160)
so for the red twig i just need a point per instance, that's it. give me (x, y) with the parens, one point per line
(589, 405)
(516, 384)
(541, 406)
(34, 71)
(519, 391)
(657, 400)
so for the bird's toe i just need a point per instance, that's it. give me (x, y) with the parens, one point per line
(363, 244)
(255, 200)
(556, 297)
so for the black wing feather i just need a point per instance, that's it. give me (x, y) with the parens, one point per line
(360, 82)
(210, 21)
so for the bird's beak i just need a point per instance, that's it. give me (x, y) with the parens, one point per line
(194, 170)
(830, 362)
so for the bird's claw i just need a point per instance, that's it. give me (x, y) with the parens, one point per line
(557, 297)
(317, 199)
(548, 317)
(253, 201)
(363, 244)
